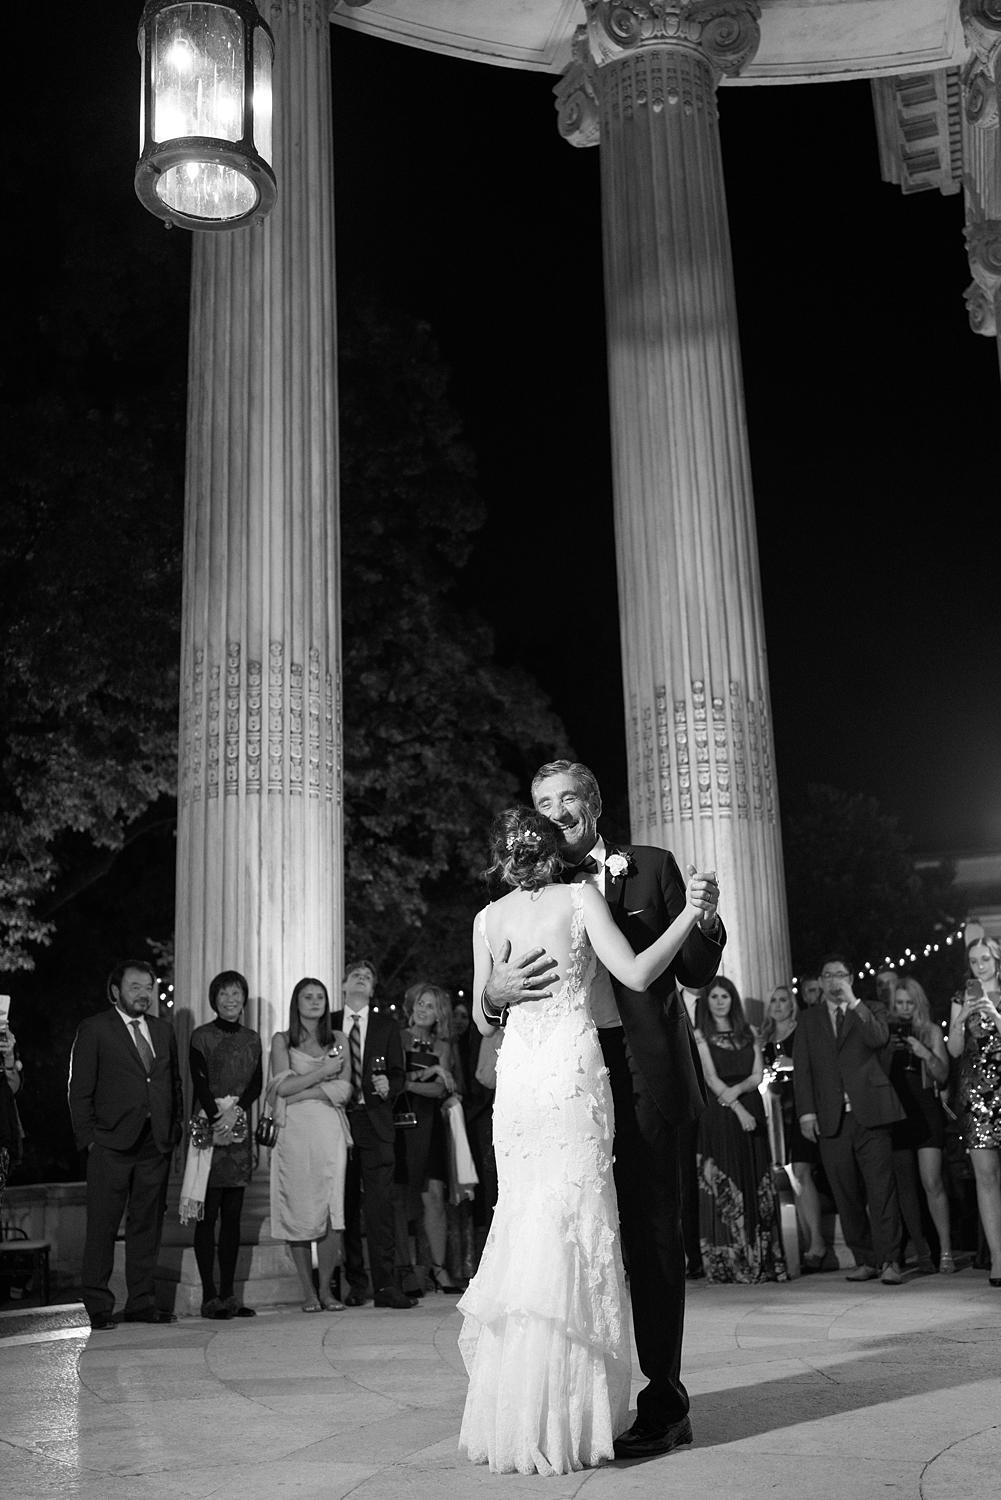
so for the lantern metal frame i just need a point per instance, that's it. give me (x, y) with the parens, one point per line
(241, 155)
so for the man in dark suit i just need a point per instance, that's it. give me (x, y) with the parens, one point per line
(372, 1037)
(656, 1077)
(125, 1104)
(846, 1102)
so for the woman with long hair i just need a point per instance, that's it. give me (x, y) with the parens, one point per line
(545, 1336)
(739, 1224)
(308, 1092)
(778, 1031)
(975, 1038)
(917, 1064)
(428, 1034)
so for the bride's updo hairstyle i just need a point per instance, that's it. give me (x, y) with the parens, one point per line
(525, 849)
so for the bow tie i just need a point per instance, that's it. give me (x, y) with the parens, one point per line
(588, 866)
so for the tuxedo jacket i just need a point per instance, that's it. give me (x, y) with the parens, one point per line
(643, 903)
(110, 1095)
(827, 1067)
(382, 1039)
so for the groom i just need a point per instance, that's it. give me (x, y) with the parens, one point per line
(655, 1073)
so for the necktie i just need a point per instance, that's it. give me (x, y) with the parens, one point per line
(144, 1049)
(354, 1042)
(588, 866)
(839, 1022)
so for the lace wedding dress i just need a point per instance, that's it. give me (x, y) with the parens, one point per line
(545, 1336)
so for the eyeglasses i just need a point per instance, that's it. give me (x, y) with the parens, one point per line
(842, 974)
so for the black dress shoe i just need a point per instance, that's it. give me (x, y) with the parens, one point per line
(355, 1299)
(390, 1297)
(102, 1321)
(645, 1442)
(150, 1315)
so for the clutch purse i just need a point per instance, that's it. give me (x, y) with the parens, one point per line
(199, 1132)
(416, 1060)
(404, 1116)
(266, 1134)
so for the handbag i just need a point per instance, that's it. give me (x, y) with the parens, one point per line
(266, 1134)
(404, 1115)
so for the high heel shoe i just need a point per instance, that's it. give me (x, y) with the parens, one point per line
(440, 1280)
(947, 1263)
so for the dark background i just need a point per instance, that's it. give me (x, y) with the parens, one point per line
(872, 409)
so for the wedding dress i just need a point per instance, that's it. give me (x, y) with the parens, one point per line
(545, 1336)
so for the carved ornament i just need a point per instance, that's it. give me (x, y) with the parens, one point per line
(724, 32)
(577, 108)
(983, 246)
(980, 94)
(981, 311)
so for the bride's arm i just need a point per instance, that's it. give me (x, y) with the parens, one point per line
(635, 970)
(482, 965)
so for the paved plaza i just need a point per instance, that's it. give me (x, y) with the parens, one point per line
(812, 1389)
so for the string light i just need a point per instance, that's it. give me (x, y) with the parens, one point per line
(909, 956)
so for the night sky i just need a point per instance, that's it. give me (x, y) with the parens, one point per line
(872, 408)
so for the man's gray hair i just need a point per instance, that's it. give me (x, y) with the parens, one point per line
(583, 775)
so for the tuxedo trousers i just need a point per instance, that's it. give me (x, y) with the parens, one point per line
(648, 1186)
(137, 1178)
(368, 1196)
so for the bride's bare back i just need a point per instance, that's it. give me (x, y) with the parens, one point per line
(534, 919)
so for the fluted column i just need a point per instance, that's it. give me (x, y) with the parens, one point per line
(980, 81)
(259, 883)
(701, 765)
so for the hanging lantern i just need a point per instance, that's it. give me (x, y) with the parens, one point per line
(205, 115)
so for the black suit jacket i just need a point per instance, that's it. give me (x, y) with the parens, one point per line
(382, 1039)
(110, 1096)
(643, 903)
(826, 1067)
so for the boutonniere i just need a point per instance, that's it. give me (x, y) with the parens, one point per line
(617, 865)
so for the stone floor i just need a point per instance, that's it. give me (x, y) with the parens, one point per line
(813, 1389)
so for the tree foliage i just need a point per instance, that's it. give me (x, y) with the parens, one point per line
(852, 883)
(90, 534)
(437, 734)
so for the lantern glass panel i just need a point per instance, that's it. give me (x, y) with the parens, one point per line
(197, 73)
(207, 190)
(263, 60)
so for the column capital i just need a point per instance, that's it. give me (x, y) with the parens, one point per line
(981, 311)
(983, 245)
(578, 111)
(982, 29)
(724, 32)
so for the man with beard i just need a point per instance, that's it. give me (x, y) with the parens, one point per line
(125, 1104)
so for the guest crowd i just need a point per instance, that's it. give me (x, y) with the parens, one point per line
(380, 1139)
(379, 1136)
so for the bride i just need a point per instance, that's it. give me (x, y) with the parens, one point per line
(545, 1334)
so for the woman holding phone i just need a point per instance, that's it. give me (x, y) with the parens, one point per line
(975, 1038)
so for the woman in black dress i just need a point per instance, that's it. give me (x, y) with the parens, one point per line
(916, 1061)
(428, 1035)
(778, 1033)
(738, 1209)
(226, 1075)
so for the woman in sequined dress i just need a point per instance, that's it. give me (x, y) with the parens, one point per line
(975, 1038)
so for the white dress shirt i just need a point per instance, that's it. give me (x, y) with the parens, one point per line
(144, 1029)
(604, 1011)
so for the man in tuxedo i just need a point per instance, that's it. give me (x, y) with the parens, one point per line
(846, 1103)
(656, 1076)
(125, 1104)
(368, 1188)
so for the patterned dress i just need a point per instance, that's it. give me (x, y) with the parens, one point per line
(739, 1226)
(978, 1092)
(545, 1337)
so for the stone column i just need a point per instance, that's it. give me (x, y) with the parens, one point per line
(980, 80)
(259, 884)
(701, 765)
